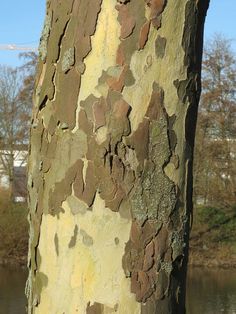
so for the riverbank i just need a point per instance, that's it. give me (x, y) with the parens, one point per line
(219, 256)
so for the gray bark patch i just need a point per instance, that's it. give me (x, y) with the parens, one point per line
(160, 46)
(76, 206)
(68, 59)
(87, 240)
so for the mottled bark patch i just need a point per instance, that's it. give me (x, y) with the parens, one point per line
(62, 50)
(61, 190)
(153, 200)
(105, 158)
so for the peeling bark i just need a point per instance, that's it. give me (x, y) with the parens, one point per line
(110, 162)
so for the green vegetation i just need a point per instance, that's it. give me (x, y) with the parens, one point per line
(220, 222)
(213, 237)
(13, 231)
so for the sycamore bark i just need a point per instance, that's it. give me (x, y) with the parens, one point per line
(110, 167)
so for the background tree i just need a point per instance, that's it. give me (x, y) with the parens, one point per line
(16, 88)
(110, 165)
(215, 157)
(11, 115)
(28, 69)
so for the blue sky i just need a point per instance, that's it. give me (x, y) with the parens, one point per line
(21, 23)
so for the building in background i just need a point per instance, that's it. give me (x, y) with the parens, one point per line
(14, 162)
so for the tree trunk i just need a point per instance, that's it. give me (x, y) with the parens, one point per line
(11, 175)
(110, 168)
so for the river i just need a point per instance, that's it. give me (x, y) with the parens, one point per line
(208, 291)
(12, 298)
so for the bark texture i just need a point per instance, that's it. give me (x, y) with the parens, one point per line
(111, 155)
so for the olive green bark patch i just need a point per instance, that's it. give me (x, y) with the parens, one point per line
(73, 238)
(96, 308)
(41, 281)
(56, 242)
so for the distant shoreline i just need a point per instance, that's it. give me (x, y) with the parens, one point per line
(211, 258)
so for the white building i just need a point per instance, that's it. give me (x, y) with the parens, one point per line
(19, 171)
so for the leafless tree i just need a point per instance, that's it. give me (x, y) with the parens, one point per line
(15, 113)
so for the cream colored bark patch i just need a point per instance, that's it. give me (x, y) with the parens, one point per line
(172, 172)
(91, 271)
(103, 55)
(145, 73)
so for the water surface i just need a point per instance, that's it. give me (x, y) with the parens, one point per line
(211, 291)
(208, 291)
(12, 286)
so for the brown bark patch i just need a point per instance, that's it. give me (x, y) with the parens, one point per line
(143, 36)
(156, 8)
(120, 57)
(99, 114)
(126, 20)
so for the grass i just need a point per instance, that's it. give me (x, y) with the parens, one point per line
(13, 230)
